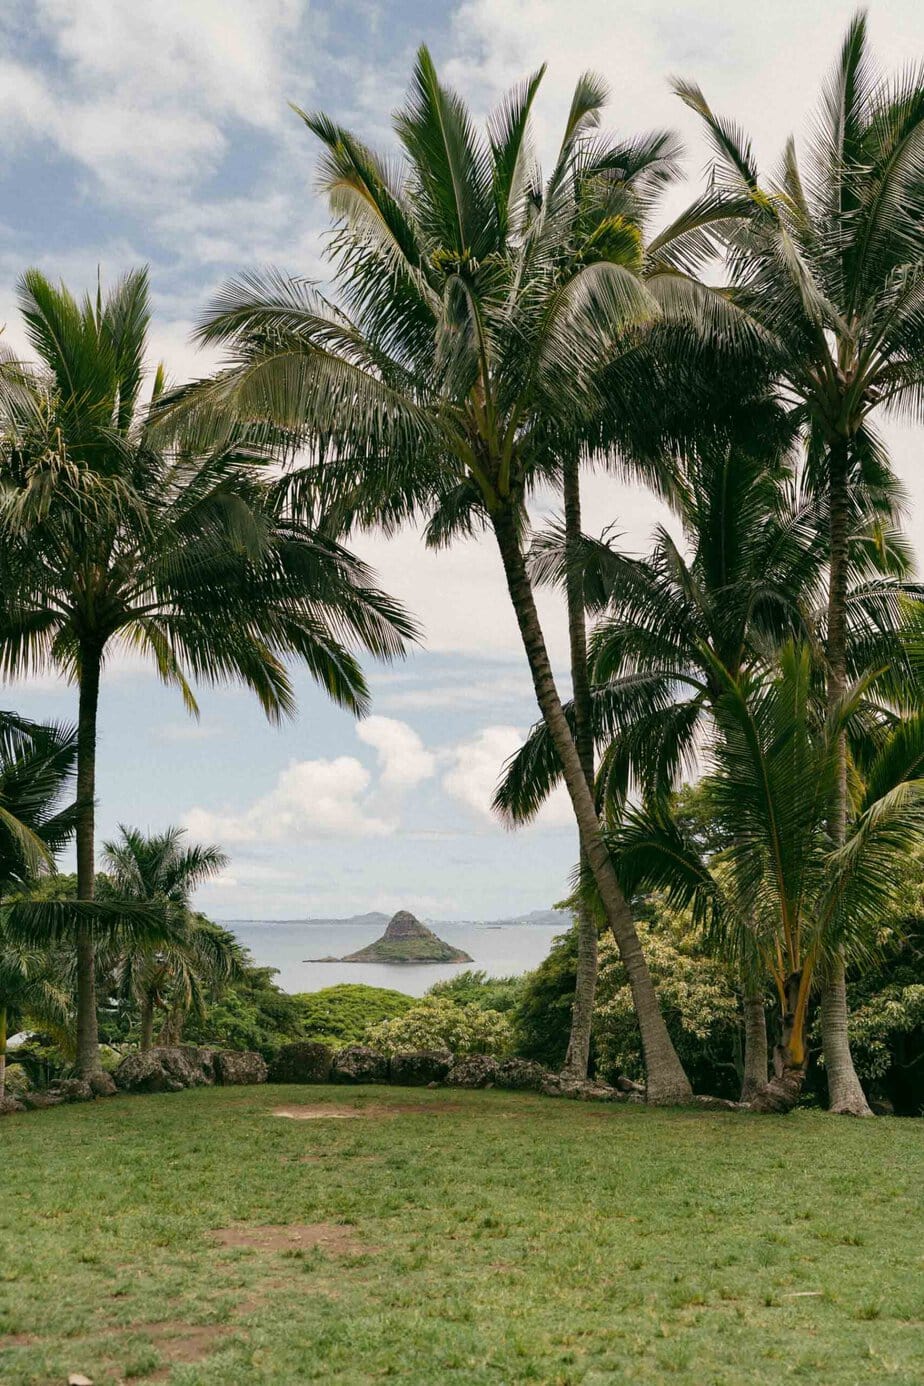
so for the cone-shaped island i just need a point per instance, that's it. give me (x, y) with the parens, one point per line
(406, 940)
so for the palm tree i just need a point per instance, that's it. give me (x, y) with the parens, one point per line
(36, 767)
(111, 540)
(826, 281)
(168, 973)
(783, 887)
(747, 575)
(31, 988)
(476, 317)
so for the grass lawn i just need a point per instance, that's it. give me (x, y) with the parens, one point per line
(461, 1237)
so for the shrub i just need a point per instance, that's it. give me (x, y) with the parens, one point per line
(341, 1015)
(476, 988)
(437, 1023)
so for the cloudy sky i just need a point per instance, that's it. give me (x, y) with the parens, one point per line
(159, 132)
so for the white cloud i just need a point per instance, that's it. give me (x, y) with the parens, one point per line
(404, 761)
(311, 799)
(475, 767)
(145, 92)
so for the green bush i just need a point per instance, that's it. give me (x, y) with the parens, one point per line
(436, 1022)
(341, 1015)
(476, 988)
(17, 1080)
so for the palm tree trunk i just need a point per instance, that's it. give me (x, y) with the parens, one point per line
(578, 1056)
(755, 1043)
(667, 1082)
(845, 1094)
(784, 1089)
(2, 1052)
(147, 1023)
(87, 1030)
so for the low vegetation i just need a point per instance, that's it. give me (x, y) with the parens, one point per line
(453, 1243)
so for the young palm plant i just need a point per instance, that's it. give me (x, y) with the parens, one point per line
(826, 280)
(110, 539)
(784, 888)
(476, 317)
(36, 768)
(170, 974)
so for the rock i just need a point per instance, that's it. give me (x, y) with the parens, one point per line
(164, 1069)
(580, 1089)
(629, 1085)
(235, 1069)
(37, 1101)
(73, 1090)
(358, 1064)
(78, 1379)
(103, 1084)
(9, 1105)
(473, 1071)
(306, 1062)
(521, 1074)
(417, 1068)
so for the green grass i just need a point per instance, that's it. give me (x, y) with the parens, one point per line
(502, 1238)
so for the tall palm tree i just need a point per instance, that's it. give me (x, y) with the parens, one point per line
(476, 316)
(826, 279)
(747, 575)
(170, 972)
(111, 540)
(784, 887)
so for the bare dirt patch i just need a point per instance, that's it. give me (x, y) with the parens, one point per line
(319, 1112)
(375, 1110)
(329, 1236)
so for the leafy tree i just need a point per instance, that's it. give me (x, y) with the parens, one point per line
(825, 265)
(110, 539)
(477, 318)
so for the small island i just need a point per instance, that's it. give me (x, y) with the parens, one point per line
(406, 940)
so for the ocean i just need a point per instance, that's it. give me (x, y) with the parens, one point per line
(500, 950)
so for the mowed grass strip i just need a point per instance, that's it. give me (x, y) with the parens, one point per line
(487, 1237)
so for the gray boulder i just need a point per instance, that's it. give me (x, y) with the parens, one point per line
(306, 1062)
(358, 1064)
(164, 1069)
(38, 1101)
(103, 1084)
(9, 1105)
(473, 1071)
(73, 1090)
(416, 1068)
(520, 1074)
(235, 1069)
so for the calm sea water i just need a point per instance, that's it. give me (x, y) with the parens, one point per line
(501, 951)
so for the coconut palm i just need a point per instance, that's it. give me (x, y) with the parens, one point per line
(476, 315)
(110, 540)
(37, 765)
(171, 973)
(783, 887)
(748, 574)
(825, 263)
